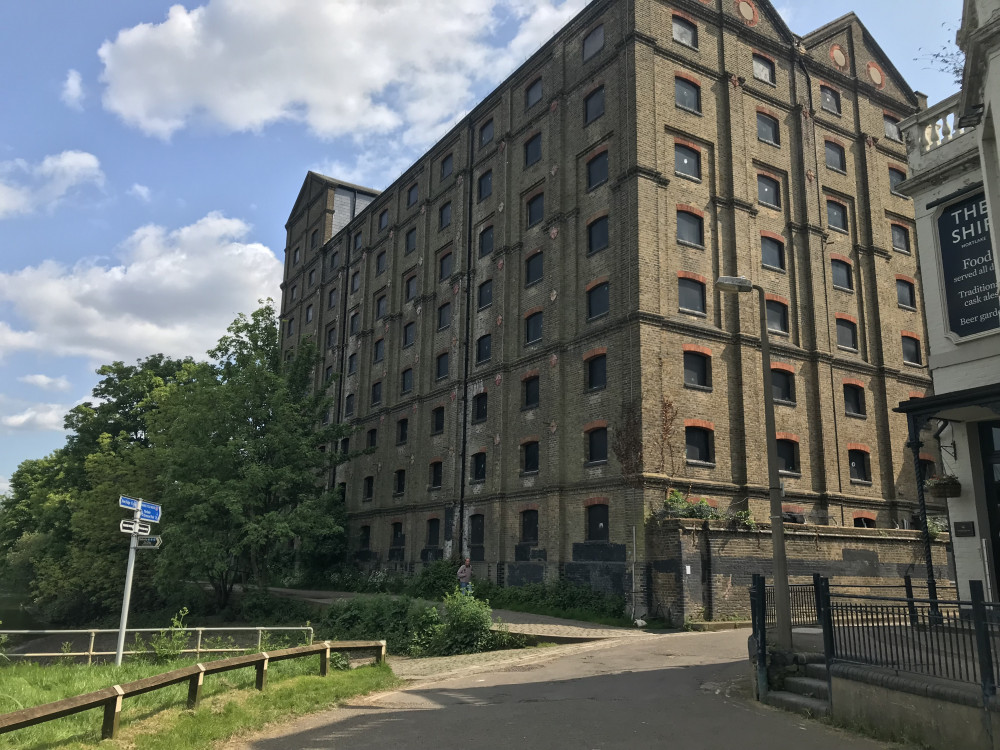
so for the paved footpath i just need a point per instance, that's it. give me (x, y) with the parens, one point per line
(688, 691)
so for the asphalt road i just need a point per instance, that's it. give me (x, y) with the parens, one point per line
(686, 690)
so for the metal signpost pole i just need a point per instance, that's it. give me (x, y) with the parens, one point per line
(142, 512)
(133, 544)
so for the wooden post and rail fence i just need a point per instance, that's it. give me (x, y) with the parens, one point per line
(111, 698)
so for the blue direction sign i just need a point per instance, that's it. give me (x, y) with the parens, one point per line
(149, 512)
(129, 502)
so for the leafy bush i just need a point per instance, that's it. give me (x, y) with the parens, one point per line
(258, 607)
(466, 627)
(405, 625)
(678, 506)
(434, 581)
(168, 644)
(371, 582)
(557, 597)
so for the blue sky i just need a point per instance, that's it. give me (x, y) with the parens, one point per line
(150, 154)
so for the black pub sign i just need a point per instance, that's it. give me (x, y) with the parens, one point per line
(970, 283)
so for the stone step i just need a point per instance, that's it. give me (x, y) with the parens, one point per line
(801, 704)
(808, 686)
(816, 671)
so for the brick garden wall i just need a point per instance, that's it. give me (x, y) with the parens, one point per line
(702, 569)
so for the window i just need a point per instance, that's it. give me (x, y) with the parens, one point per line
(380, 263)
(381, 307)
(783, 386)
(767, 129)
(597, 523)
(442, 365)
(598, 301)
(906, 294)
(399, 482)
(836, 216)
(772, 253)
(332, 299)
(377, 393)
(331, 337)
(479, 467)
(529, 527)
(847, 334)
(368, 491)
(378, 351)
(597, 235)
(533, 266)
(437, 420)
(699, 444)
(533, 328)
(383, 220)
(444, 216)
(295, 256)
(334, 260)
(593, 105)
(690, 229)
(860, 466)
(402, 431)
(788, 456)
(309, 313)
(533, 94)
(314, 240)
(486, 242)
(687, 95)
(835, 156)
(352, 364)
(437, 472)
(533, 150)
(690, 295)
(477, 537)
(444, 315)
(484, 348)
(529, 457)
(410, 286)
(355, 281)
(410, 243)
(372, 438)
(536, 209)
(295, 293)
(409, 333)
(763, 69)
(486, 294)
(864, 523)
(447, 166)
(345, 446)
(290, 327)
(895, 178)
(892, 128)
(685, 32)
(900, 238)
(597, 373)
(768, 191)
(486, 133)
(328, 374)
(911, 350)
(412, 195)
(434, 524)
(531, 391)
(854, 400)
(593, 42)
(842, 274)
(687, 161)
(697, 370)
(485, 185)
(777, 316)
(829, 99)
(597, 445)
(365, 537)
(480, 403)
(446, 266)
(312, 277)
(398, 539)
(597, 170)
(406, 381)
(355, 322)
(349, 405)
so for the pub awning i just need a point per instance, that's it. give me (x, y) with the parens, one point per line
(969, 405)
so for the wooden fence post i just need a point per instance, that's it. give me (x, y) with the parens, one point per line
(324, 661)
(112, 713)
(194, 687)
(262, 672)
(380, 659)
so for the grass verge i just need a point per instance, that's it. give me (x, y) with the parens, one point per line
(159, 721)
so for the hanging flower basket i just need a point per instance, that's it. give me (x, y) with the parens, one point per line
(943, 487)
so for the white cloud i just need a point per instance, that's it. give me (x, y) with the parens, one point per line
(170, 291)
(140, 191)
(46, 383)
(25, 187)
(36, 417)
(72, 90)
(354, 67)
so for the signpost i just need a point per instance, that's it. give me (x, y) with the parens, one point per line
(138, 530)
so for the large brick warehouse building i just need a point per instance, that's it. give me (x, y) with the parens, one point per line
(524, 326)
